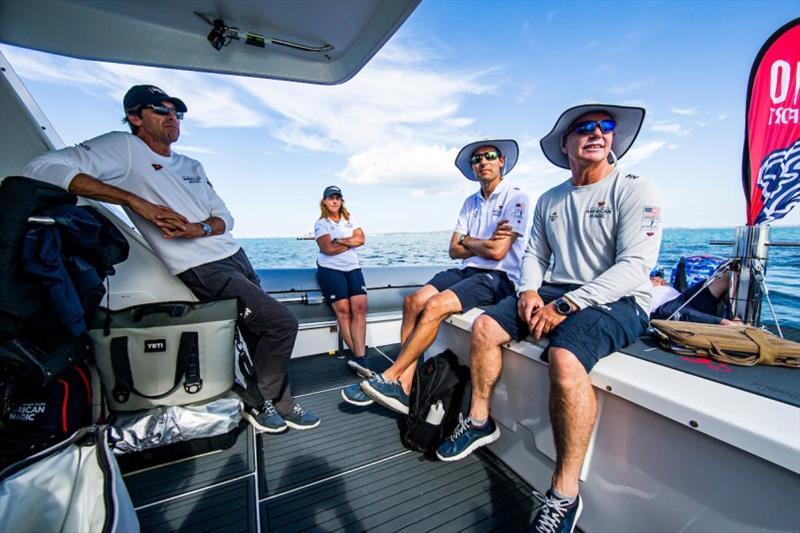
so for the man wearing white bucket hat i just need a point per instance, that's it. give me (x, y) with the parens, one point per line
(490, 238)
(602, 230)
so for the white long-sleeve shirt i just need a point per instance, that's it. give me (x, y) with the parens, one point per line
(604, 236)
(177, 181)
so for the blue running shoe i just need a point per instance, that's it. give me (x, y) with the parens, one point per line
(354, 395)
(265, 418)
(299, 418)
(556, 515)
(361, 366)
(389, 394)
(467, 438)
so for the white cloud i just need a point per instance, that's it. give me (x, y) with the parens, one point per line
(685, 111)
(667, 126)
(629, 88)
(396, 51)
(383, 104)
(643, 151)
(194, 149)
(604, 69)
(212, 100)
(722, 116)
(404, 165)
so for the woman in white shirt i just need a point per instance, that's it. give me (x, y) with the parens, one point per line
(338, 234)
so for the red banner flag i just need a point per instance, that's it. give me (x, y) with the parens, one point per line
(771, 160)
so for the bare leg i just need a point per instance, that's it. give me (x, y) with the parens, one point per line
(437, 308)
(573, 409)
(412, 307)
(358, 323)
(344, 317)
(485, 364)
(718, 287)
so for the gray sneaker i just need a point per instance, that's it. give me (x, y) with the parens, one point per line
(299, 418)
(265, 418)
(361, 366)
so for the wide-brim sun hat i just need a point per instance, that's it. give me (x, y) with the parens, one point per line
(629, 121)
(508, 149)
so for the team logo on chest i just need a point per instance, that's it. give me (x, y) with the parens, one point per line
(497, 210)
(600, 210)
(156, 166)
(553, 216)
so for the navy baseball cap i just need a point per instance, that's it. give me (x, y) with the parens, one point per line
(141, 95)
(331, 190)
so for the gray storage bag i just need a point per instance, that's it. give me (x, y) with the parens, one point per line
(75, 485)
(168, 353)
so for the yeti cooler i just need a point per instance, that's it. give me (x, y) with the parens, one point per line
(167, 353)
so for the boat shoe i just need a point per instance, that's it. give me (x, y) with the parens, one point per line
(361, 366)
(556, 515)
(389, 394)
(299, 418)
(353, 394)
(467, 438)
(265, 418)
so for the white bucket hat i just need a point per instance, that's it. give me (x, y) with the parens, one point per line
(629, 122)
(508, 149)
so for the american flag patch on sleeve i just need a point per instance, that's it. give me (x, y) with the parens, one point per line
(651, 217)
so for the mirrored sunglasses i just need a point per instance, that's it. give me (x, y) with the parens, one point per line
(589, 126)
(489, 156)
(165, 110)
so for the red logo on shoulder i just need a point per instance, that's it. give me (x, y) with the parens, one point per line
(157, 166)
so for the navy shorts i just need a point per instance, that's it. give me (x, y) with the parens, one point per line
(591, 333)
(703, 302)
(337, 285)
(474, 286)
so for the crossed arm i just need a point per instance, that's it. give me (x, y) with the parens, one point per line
(172, 224)
(328, 247)
(495, 247)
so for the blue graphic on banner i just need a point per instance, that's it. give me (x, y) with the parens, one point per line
(779, 180)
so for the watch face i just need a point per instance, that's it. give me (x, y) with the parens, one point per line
(563, 307)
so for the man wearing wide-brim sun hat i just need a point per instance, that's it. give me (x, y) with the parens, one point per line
(489, 237)
(601, 230)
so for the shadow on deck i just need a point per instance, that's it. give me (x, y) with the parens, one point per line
(349, 474)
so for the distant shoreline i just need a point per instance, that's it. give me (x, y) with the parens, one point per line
(693, 228)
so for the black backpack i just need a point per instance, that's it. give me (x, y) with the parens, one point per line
(440, 379)
(34, 416)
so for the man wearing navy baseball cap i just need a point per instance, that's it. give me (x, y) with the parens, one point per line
(489, 238)
(172, 203)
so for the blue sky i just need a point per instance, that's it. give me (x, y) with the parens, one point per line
(454, 73)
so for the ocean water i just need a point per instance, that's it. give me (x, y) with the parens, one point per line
(398, 249)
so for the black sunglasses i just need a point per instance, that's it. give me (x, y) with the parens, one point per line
(164, 110)
(489, 156)
(588, 126)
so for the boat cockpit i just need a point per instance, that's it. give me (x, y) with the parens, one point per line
(671, 433)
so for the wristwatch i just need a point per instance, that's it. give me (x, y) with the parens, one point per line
(462, 239)
(206, 229)
(563, 307)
